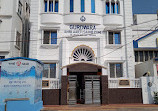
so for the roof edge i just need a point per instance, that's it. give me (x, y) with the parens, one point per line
(24, 58)
(147, 35)
(84, 63)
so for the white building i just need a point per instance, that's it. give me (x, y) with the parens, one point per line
(88, 43)
(145, 34)
(13, 27)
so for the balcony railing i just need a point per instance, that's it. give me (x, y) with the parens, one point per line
(50, 83)
(115, 83)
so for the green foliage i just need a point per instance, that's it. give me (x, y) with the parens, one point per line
(156, 97)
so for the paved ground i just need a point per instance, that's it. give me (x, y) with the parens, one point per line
(114, 107)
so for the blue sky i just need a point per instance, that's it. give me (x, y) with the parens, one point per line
(145, 6)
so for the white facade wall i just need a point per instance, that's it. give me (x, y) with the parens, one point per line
(142, 68)
(11, 23)
(144, 24)
(61, 53)
(149, 41)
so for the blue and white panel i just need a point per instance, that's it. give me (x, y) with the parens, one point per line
(18, 80)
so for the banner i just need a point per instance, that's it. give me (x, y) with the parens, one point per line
(21, 79)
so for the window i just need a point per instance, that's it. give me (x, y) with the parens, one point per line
(114, 38)
(115, 9)
(71, 5)
(150, 54)
(146, 55)
(112, 7)
(51, 5)
(92, 6)
(107, 8)
(50, 37)
(116, 70)
(82, 6)
(18, 36)
(49, 70)
(136, 56)
(141, 56)
(2, 57)
(83, 54)
(20, 8)
(156, 53)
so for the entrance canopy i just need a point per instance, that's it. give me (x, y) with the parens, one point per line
(84, 67)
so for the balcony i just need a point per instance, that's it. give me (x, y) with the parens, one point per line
(50, 83)
(51, 18)
(113, 20)
(82, 18)
(133, 83)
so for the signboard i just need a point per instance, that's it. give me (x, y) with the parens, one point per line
(82, 30)
(124, 82)
(21, 78)
(45, 83)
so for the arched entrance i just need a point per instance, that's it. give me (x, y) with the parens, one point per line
(84, 83)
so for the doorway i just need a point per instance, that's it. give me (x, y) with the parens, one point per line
(84, 88)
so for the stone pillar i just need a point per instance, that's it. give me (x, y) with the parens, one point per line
(64, 71)
(104, 71)
(64, 82)
(104, 90)
(110, 6)
(53, 6)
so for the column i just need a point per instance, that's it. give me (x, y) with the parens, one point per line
(53, 6)
(64, 71)
(104, 87)
(105, 90)
(104, 6)
(64, 83)
(77, 6)
(110, 6)
(87, 6)
(104, 71)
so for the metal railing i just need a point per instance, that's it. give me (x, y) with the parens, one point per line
(114, 83)
(51, 83)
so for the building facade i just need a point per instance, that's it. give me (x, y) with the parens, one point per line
(87, 47)
(13, 27)
(145, 34)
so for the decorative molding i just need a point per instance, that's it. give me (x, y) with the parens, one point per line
(49, 46)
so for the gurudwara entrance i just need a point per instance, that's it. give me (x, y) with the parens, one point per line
(84, 89)
(84, 86)
(81, 83)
